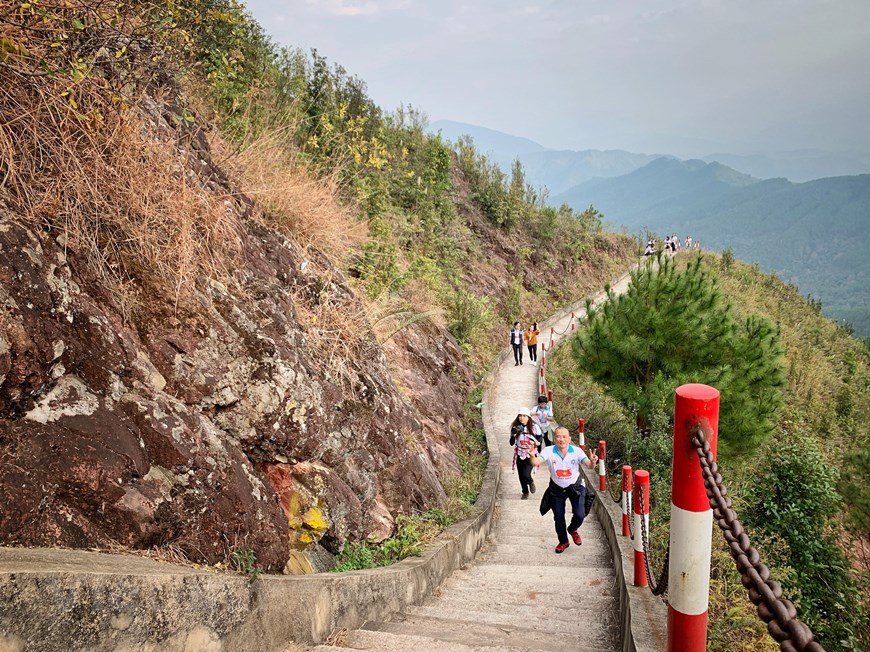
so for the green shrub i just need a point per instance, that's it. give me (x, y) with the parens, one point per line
(468, 314)
(794, 497)
(547, 225)
(244, 560)
(378, 266)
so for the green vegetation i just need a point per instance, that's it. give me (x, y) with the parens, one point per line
(672, 327)
(244, 560)
(796, 487)
(411, 531)
(793, 500)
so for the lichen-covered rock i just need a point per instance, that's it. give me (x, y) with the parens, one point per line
(212, 424)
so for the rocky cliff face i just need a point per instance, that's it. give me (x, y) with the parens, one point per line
(214, 425)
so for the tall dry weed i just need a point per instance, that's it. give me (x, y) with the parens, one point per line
(289, 197)
(78, 161)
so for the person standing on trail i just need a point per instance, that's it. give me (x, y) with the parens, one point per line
(517, 337)
(531, 338)
(563, 461)
(526, 439)
(542, 413)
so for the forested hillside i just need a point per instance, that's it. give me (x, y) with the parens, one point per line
(811, 234)
(245, 308)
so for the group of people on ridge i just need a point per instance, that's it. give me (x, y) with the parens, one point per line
(538, 441)
(672, 245)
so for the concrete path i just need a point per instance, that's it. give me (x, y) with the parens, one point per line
(519, 594)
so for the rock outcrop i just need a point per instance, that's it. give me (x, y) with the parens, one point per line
(214, 424)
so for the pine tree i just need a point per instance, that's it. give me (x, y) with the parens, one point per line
(673, 327)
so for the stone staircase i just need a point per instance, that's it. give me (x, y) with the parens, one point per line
(518, 595)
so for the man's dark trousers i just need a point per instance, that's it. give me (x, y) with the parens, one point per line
(558, 495)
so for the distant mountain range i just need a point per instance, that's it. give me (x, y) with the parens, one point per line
(559, 169)
(813, 234)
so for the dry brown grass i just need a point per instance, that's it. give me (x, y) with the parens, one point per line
(289, 197)
(337, 335)
(75, 160)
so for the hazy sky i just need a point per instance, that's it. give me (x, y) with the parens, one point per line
(656, 76)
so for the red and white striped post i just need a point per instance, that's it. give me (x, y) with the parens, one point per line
(543, 387)
(695, 405)
(641, 487)
(602, 471)
(626, 493)
(572, 321)
(552, 330)
(549, 395)
(581, 438)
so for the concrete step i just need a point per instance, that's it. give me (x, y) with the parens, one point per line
(598, 613)
(589, 554)
(561, 577)
(532, 633)
(363, 639)
(503, 599)
(513, 523)
(548, 539)
(524, 519)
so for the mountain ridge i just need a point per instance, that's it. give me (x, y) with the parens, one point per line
(810, 233)
(796, 165)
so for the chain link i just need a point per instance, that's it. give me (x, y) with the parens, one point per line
(657, 588)
(766, 594)
(609, 482)
(562, 332)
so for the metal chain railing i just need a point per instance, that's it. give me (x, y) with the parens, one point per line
(608, 481)
(766, 594)
(562, 332)
(657, 588)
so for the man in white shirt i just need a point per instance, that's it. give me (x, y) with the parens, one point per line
(563, 461)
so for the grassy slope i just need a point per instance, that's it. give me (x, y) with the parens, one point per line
(828, 396)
